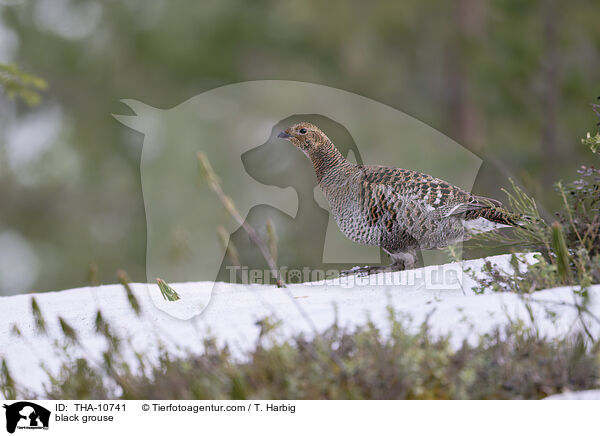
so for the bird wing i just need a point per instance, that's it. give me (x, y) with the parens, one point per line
(473, 203)
(391, 187)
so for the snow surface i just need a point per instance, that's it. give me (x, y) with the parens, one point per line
(229, 313)
(579, 395)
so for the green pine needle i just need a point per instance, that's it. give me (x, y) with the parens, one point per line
(67, 330)
(133, 302)
(40, 322)
(167, 292)
(563, 259)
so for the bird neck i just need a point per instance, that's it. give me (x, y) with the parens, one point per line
(327, 161)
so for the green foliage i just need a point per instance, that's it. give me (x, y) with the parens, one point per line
(68, 331)
(523, 278)
(7, 384)
(581, 213)
(40, 322)
(401, 361)
(131, 298)
(167, 291)
(514, 363)
(559, 247)
(103, 329)
(592, 141)
(84, 381)
(570, 247)
(20, 84)
(532, 233)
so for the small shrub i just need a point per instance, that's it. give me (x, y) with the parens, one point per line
(510, 363)
(569, 247)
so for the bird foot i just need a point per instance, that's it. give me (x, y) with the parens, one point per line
(364, 271)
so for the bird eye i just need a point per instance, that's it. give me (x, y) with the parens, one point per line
(303, 130)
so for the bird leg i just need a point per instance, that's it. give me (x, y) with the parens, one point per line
(404, 260)
(400, 262)
(363, 271)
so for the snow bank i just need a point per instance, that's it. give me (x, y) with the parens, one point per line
(580, 395)
(231, 312)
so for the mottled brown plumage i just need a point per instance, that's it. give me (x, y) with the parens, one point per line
(399, 210)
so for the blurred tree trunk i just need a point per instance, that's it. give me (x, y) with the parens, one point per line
(550, 88)
(464, 117)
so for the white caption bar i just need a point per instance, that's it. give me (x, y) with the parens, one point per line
(298, 417)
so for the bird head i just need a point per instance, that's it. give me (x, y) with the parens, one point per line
(307, 137)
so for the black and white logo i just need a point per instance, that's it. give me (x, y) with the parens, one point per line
(26, 415)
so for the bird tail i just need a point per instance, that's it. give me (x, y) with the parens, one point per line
(500, 216)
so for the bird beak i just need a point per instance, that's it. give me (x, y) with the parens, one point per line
(284, 135)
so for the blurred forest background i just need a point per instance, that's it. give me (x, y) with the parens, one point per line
(511, 80)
